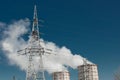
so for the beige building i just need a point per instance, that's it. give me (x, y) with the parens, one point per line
(62, 75)
(88, 72)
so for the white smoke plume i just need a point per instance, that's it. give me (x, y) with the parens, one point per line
(13, 41)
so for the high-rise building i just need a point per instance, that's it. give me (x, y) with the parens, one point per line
(62, 75)
(88, 72)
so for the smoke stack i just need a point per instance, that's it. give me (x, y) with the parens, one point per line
(61, 75)
(87, 71)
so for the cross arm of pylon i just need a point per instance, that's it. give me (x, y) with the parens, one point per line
(49, 51)
(23, 51)
(28, 20)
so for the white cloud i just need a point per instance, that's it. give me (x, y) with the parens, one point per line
(14, 42)
(2, 24)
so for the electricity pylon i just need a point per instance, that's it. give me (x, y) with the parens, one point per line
(34, 49)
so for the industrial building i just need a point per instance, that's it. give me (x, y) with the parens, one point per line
(61, 75)
(87, 71)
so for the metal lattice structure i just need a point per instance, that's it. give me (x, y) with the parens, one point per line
(34, 49)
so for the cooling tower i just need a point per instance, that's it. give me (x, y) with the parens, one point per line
(88, 72)
(62, 75)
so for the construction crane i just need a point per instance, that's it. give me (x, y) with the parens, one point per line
(34, 49)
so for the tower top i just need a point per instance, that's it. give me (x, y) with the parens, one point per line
(35, 18)
(35, 29)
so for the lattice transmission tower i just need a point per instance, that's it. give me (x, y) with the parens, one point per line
(34, 49)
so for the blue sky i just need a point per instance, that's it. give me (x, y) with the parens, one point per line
(89, 28)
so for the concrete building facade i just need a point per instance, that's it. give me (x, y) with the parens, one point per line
(62, 75)
(88, 72)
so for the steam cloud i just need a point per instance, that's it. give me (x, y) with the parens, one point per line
(13, 41)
